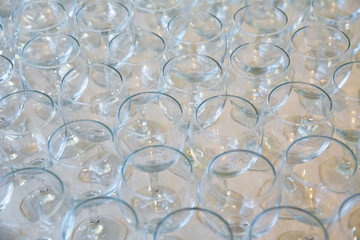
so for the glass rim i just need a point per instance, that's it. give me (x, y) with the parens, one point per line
(284, 207)
(343, 145)
(219, 34)
(25, 5)
(347, 201)
(192, 209)
(103, 100)
(334, 77)
(299, 31)
(45, 36)
(11, 66)
(288, 60)
(92, 3)
(301, 83)
(156, 10)
(215, 159)
(329, 20)
(284, 28)
(161, 55)
(26, 92)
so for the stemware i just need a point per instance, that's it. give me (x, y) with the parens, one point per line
(193, 223)
(149, 118)
(7, 45)
(224, 188)
(97, 22)
(317, 175)
(157, 180)
(294, 110)
(10, 80)
(138, 58)
(92, 92)
(197, 33)
(46, 59)
(27, 120)
(33, 201)
(255, 69)
(85, 159)
(100, 218)
(286, 222)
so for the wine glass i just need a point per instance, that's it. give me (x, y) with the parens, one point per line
(27, 120)
(10, 80)
(260, 22)
(222, 123)
(193, 223)
(255, 69)
(85, 159)
(7, 45)
(100, 218)
(138, 58)
(224, 188)
(92, 92)
(46, 59)
(97, 22)
(33, 201)
(157, 180)
(149, 118)
(286, 222)
(197, 33)
(294, 110)
(317, 175)
(316, 51)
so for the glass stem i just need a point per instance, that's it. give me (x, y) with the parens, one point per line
(94, 219)
(154, 184)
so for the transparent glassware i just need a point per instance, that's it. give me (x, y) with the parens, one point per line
(286, 222)
(224, 188)
(139, 58)
(316, 51)
(317, 175)
(93, 92)
(34, 18)
(294, 110)
(197, 33)
(191, 224)
(6, 8)
(346, 101)
(97, 22)
(157, 180)
(33, 202)
(7, 45)
(260, 22)
(149, 118)
(27, 120)
(85, 158)
(46, 59)
(10, 80)
(255, 69)
(100, 218)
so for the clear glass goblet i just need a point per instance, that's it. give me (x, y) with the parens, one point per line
(317, 175)
(157, 180)
(85, 158)
(149, 118)
(33, 202)
(294, 110)
(93, 92)
(10, 80)
(224, 188)
(191, 224)
(100, 218)
(46, 59)
(286, 222)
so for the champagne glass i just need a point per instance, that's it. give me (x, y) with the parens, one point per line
(32, 205)
(149, 118)
(85, 159)
(7, 45)
(92, 92)
(294, 110)
(223, 123)
(286, 222)
(224, 190)
(10, 80)
(27, 120)
(193, 223)
(157, 180)
(255, 69)
(317, 175)
(100, 218)
(46, 59)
